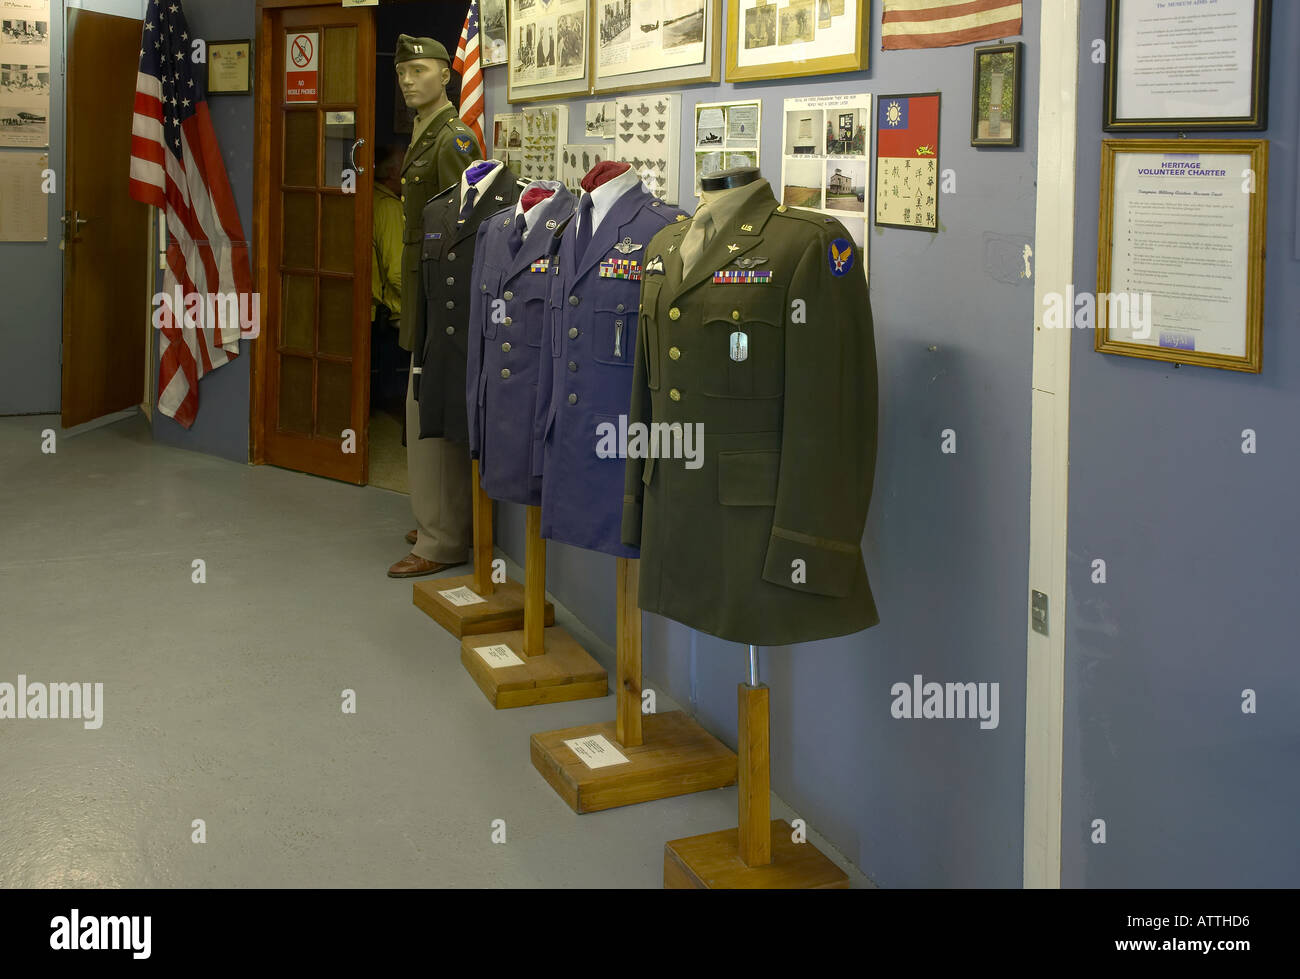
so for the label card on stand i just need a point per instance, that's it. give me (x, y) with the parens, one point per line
(464, 595)
(498, 655)
(596, 751)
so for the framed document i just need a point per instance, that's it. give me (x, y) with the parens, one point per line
(548, 50)
(230, 67)
(771, 39)
(995, 96)
(907, 161)
(726, 135)
(639, 44)
(1180, 253)
(494, 46)
(1183, 66)
(826, 159)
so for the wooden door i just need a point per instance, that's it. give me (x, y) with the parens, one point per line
(311, 366)
(106, 257)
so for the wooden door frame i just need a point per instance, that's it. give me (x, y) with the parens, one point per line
(265, 108)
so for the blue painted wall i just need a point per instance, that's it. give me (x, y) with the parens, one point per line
(1199, 542)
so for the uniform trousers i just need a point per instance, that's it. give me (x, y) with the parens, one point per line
(440, 482)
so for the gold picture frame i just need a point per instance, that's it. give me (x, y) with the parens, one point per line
(795, 25)
(226, 74)
(707, 71)
(535, 42)
(1174, 171)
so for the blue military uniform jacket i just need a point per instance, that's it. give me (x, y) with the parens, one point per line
(508, 321)
(594, 298)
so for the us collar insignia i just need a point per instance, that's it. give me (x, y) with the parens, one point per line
(750, 261)
(742, 277)
(627, 246)
(746, 227)
(733, 248)
(655, 264)
(620, 268)
(499, 198)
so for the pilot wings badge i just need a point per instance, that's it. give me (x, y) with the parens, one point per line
(627, 246)
(750, 261)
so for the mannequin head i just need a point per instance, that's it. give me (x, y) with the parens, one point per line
(423, 71)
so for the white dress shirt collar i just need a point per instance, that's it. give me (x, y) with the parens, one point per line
(484, 182)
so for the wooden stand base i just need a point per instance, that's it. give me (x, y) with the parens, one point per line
(677, 757)
(565, 671)
(713, 861)
(501, 611)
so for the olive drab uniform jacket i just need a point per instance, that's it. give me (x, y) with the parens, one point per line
(509, 321)
(433, 163)
(441, 342)
(767, 344)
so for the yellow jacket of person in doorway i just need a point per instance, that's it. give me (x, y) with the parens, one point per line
(386, 256)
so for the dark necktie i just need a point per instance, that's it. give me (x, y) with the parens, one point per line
(470, 196)
(584, 227)
(517, 234)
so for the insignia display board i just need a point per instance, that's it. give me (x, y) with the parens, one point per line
(639, 44)
(548, 56)
(800, 37)
(907, 161)
(576, 159)
(25, 73)
(726, 135)
(645, 135)
(826, 158)
(543, 127)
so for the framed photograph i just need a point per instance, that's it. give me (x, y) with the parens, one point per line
(1162, 292)
(640, 44)
(1188, 66)
(726, 135)
(774, 39)
(494, 33)
(995, 96)
(230, 67)
(907, 161)
(548, 50)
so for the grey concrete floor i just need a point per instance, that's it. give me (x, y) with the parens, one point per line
(222, 701)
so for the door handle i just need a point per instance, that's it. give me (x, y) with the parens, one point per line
(352, 156)
(72, 222)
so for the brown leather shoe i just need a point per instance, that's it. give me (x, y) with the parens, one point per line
(414, 566)
(412, 537)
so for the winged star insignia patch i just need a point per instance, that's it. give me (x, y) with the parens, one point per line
(655, 264)
(733, 248)
(841, 256)
(627, 246)
(463, 143)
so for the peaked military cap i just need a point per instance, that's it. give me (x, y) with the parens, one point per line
(413, 48)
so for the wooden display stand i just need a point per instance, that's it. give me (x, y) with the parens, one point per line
(759, 853)
(502, 607)
(667, 754)
(554, 668)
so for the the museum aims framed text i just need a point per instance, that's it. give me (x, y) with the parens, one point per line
(548, 50)
(995, 96)
(770, 39)
(1180, 254)
(640, 44)
(230, 67)
(1187, 66)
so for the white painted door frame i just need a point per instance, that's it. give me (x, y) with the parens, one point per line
(1058, 106)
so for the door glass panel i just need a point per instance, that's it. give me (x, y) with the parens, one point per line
(337, 221)
(295, 394)
(299, 230)
(300, 148)
(334, 398)
(298, 312)
(340, 134)
(339, 65)
(336, 317)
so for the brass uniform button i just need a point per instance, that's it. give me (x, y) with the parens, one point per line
(505, 347)
(675, 394)
(573, 367)
(508, 295)
(573, 333)
(505, 372)
(573, 399)
(451, 330)
(451, 280)
(574, 300)
(451, 256)
(403, 180)
(619, 308)
(451, 304)
(735, 314)
(482, 287)
(507, 321)
(674, 313)
(674, 353)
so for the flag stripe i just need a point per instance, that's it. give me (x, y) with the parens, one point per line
(912, 24)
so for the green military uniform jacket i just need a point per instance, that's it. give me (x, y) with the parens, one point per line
(767, 342)
(434, 162)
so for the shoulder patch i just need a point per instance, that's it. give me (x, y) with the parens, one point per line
(464, 143)
(840, 256)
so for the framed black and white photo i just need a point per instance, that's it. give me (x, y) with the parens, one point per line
(640, 44)
(995, 96)
(1187, 66)
(494, 33)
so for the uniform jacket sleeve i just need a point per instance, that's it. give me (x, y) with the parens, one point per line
(638, 411)
(828, 434)
(480, 306)
(551, 342)
(387, 270)
(420, 296)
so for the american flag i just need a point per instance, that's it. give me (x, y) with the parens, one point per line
(908, 24)
(176, 165)
(471, 75)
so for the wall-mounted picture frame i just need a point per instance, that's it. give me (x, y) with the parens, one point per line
(769, 39)
(1214, 78)
(494, 32)
(230, 67)
(549, 50)
(1162, 294)
(995, 95)
(908, 175)
(646, 44)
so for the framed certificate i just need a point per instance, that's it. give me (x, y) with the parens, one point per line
(772, 39)
(230, 67)
(1187, 66)
(1180, 253)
